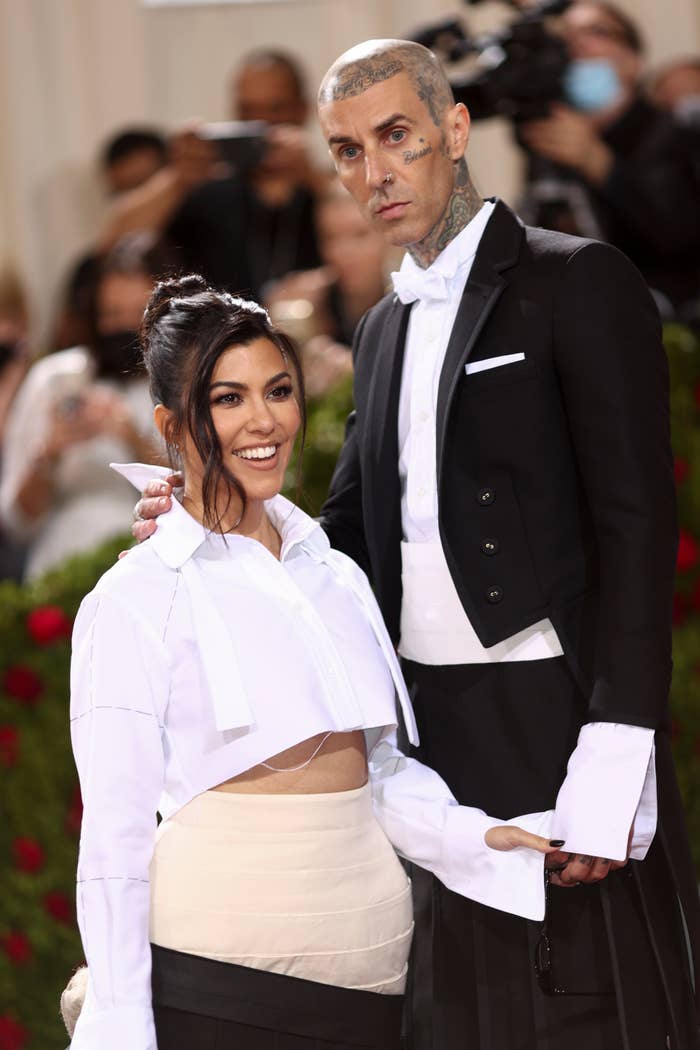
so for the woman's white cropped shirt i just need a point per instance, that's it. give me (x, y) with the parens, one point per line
(199, 656)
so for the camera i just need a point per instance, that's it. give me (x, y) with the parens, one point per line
(519, 70)
(240, 143)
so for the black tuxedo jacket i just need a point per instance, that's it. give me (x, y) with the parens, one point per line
(555, 479)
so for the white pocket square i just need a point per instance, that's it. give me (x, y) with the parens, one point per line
(492, 362)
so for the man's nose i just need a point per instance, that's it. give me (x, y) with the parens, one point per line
(376, 170)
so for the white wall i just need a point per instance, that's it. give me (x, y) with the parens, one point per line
(73, 71)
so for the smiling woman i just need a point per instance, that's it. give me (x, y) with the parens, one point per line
(234, 674)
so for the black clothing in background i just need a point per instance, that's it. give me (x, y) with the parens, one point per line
(649, 206)
(238, 243)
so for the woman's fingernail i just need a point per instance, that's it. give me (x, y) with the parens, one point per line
(162, 502)
(557, 842)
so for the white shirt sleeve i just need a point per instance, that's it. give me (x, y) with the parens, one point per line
(422, 819)
(610, 783)
(119, 687)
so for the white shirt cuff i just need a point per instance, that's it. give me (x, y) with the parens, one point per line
(512, 880)
(610, 783)
(115, 1029)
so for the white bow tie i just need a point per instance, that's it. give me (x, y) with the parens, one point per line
(427, 285)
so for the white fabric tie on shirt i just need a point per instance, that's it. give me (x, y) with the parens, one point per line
(610, 780)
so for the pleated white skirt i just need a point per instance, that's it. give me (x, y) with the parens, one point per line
(303, 885)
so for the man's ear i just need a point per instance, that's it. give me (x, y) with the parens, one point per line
(458, 126)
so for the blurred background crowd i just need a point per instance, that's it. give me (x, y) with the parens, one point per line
(142, 138)
(602, 141)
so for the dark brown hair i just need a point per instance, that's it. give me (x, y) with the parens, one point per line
(187, 326)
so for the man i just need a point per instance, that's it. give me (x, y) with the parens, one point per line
(244, 229)
(507, 482)
(615, 167)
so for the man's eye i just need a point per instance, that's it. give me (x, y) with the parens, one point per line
(349, 152)
(397, 135)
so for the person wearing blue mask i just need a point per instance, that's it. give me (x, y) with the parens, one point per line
(616, 168)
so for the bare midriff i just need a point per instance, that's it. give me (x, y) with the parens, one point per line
(340, 765)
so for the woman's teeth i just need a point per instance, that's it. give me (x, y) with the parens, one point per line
(262, 452)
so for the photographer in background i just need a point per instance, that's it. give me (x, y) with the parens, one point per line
(618, 169)
(78, 410)
(127, 160)
(244, 229)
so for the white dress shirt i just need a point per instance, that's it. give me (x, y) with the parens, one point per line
(610, 778)
(195, 658)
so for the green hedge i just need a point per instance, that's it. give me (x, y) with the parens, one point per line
(40, 805)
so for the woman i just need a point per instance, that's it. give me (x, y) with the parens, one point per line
(235, 675)
(75, 411)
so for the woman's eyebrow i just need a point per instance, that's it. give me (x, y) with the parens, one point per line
(244, 386)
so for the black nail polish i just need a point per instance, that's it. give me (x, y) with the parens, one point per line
(557, 842)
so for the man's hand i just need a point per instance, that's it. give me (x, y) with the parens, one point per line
(570, 138)
(156, 499)
(571, 869)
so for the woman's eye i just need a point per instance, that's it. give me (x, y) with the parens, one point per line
(227, 399)
(279, 393)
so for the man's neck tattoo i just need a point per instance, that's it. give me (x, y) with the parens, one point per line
(461, 208)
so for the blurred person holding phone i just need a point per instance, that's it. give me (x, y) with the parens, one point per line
(76, 410)
(244, 227)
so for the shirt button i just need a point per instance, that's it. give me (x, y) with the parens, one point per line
(485, 497)
(494, 594)
(490, 546)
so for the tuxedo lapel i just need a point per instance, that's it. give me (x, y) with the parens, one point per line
(497, 252)
(381, 491)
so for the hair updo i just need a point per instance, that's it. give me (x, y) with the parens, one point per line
(186, 327)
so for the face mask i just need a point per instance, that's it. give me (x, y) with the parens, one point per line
(591, 84)
(118, 354)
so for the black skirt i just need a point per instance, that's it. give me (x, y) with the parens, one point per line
(500, 735)
(204, 1004)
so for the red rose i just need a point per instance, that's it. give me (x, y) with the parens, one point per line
(9, 748)
(687, 551)
(47, 624)
(22, 683)
(59, 907)
(17, 947)
(13, 1036)
(681, 470)
(28, 854)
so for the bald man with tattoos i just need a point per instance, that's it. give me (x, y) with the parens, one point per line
(506, 480)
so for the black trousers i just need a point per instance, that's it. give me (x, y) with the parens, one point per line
(203, 1004)
(500, 735)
